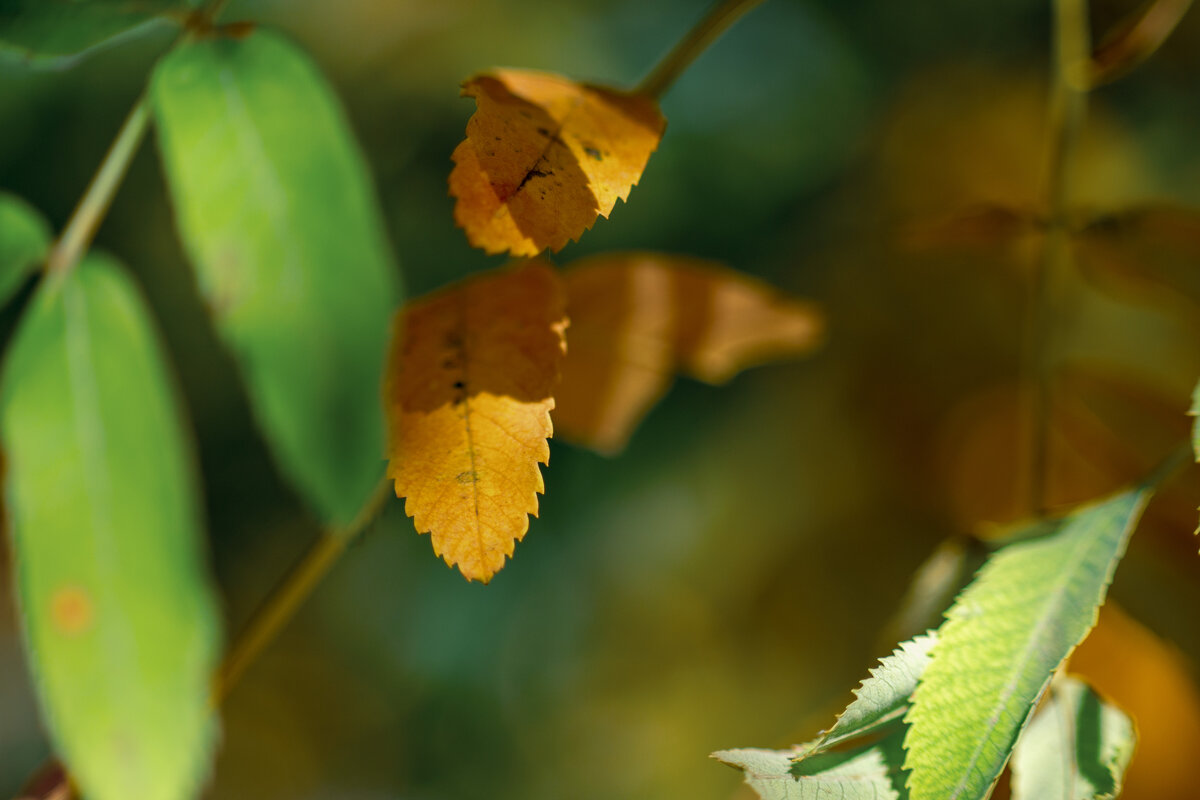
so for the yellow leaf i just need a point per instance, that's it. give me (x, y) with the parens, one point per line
(469, 394)
(544, 156)
(638, 318)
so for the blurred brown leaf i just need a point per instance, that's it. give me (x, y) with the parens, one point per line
(638, 318)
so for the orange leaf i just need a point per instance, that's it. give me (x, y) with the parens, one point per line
(638, 318)
(544, 156)
(469, 395)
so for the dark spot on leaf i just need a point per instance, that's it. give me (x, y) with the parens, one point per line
(594, 153)
(459, 385)
(470, 476)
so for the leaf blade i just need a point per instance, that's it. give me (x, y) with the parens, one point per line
(288, 245)
(58, 33)
(871, 772)
(1006, 634)
(638, 318)
(884, 696)
(544, 156)
(119, 619)
(24, 241)
(470, 389)
(1077, 747)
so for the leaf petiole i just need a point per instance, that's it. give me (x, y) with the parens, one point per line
(697, 40)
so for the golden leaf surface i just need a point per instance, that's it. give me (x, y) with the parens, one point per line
(544, 156)
(469, 391)
(638, 318)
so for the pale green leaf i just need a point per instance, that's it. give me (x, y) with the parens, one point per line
(118, 613)
(277, 212)
(1195, 412)
(24, 238)
(55, 33)
(1076, 748)
(871, 772)
(1031, 604)
(883, 697)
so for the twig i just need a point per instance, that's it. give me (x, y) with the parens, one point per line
(1068, 107)
(283, 602)
(703, 34)
(93, 206)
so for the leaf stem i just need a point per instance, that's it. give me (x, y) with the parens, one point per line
(697, 40)
(85, 220)
(1068, 107)
(287, 597)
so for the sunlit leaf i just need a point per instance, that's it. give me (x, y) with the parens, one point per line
(871, 772)
(119, 618)
(470, 388)
(277, 212)
(883, 697)
(55, 33)
(1030, 605)
(24, 238)
(1076, 748)
(639, 318)
(544, 156)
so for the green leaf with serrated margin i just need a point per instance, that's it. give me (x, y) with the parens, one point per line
(278, 215)
(119, 618)
(871, 772)
(57, 33)
(1030, 605)
(1077, 747)
(884, 696)
(24, 239)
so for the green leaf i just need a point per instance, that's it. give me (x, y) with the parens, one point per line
(57, 33)
(1031, 604)
(24, 239)
(119, 617)
(1077, 747)
(871, 772)
(883, 697)
(277, 212)
(1195, 412)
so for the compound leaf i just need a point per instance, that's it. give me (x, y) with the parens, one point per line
(24, 239)
(277, 213)
(56, 33)
(544, 156)
(638, 318)
(470, 388)
(119, 617)
(1031, 604)
(1077, 747)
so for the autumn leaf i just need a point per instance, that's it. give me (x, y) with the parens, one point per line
(638, 318)
(470, 388)
(544, 156)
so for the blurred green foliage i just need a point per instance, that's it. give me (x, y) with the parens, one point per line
(726, 578)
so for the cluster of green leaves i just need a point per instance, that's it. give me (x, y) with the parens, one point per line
(941, 717)
(281, 224)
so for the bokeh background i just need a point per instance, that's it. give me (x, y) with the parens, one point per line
(728, 578)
